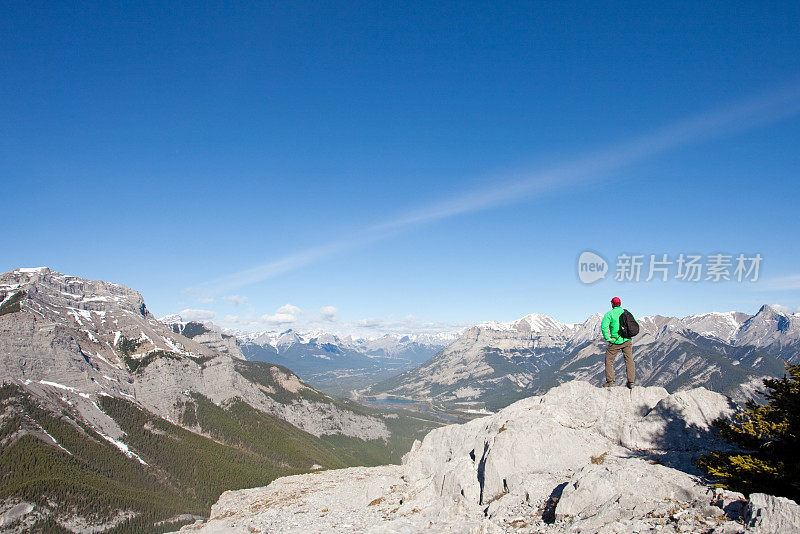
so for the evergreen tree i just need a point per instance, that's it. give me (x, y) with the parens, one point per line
(768, 436)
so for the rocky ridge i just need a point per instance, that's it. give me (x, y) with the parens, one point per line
(577, 459)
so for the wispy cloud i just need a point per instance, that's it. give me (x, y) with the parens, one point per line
(235, 299)
(728, 120)
(781, 283)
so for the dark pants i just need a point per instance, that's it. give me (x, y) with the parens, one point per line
(627, 352)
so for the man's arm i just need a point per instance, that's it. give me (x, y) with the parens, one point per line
(605, 326)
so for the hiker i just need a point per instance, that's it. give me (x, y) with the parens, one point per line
(610, 328)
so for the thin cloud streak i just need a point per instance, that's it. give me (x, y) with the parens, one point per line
(741, 116)
(783, 283)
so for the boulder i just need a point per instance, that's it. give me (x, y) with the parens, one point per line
(614, 490)
(562, 431)
(769, 514)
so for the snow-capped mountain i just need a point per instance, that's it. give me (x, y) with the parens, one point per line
(770, 328)
(723, 326)
(385, 345)
(338, 364)
(496, 363)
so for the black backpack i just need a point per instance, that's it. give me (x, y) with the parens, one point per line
(628, 327)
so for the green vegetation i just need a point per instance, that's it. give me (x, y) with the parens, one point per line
(236, 446)
(768, 436)
(265, 374)
(12, 305)
(128, 346)
(271, 440)
(202, 360)
(137, 365)
(404, 426)
(94, 479)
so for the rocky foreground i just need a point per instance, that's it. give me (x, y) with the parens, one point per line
(577, 459)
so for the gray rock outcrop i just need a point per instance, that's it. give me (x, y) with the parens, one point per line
(767, 513)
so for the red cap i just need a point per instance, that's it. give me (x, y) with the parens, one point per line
(616, 302)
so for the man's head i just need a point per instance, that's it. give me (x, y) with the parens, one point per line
(616, 302)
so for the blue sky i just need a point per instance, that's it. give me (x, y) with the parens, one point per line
(401, 167)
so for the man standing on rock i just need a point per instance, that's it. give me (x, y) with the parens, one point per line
(610, 328)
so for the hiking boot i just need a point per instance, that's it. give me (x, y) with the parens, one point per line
(608, 384)
(630, 385)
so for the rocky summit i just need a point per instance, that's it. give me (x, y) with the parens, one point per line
(576, 459)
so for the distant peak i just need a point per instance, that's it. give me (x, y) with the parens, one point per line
(766, 309)
(171, 319)
(32, 269)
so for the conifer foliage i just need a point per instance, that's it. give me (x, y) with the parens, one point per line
(768, 437)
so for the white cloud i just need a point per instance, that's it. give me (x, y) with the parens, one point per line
(197, 315)
(205, 300)
(235, 299)
(285, 314)
(290, 309)
(279, 318)
(232, 318)
(329, 313)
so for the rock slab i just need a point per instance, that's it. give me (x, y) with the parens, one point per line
(577, 459)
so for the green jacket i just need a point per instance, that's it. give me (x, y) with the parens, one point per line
(610, 326)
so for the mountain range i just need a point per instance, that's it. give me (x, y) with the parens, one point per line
(112, 420)
(332, 363)
(493, 363)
